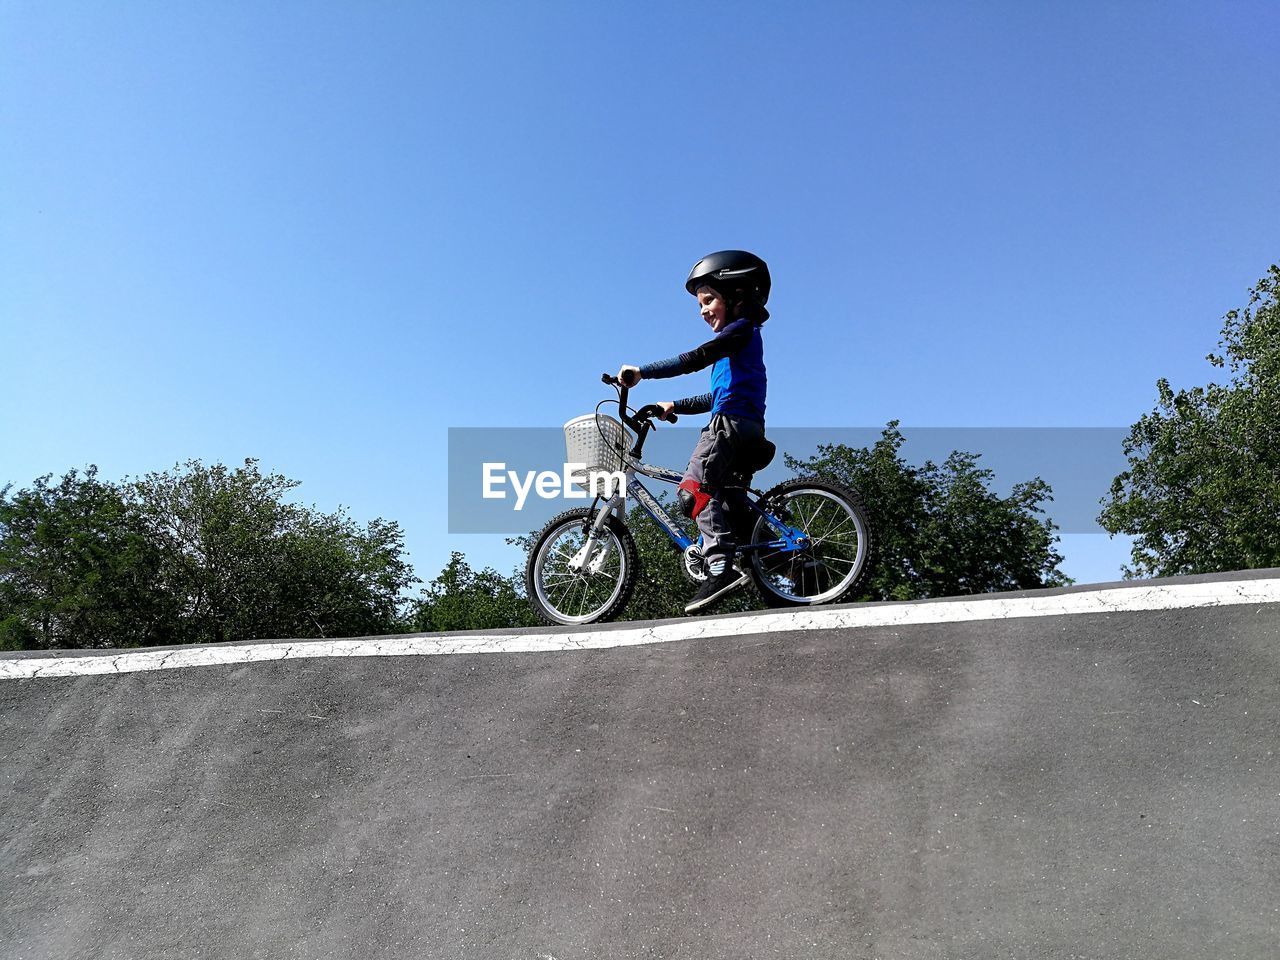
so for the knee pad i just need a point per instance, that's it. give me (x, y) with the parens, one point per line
(692, 498)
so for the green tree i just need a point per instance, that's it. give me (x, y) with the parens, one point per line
(939, 529)
(1202, 492)
(244, 564)
(197, 554)
(462, 599)
(336, 578)
(76, 568)
(219, 532)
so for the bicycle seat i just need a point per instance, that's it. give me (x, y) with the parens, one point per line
(748, 461)
(755, 456)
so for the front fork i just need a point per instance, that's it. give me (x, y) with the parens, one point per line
(583, 559)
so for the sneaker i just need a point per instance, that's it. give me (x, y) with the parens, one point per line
(713, 589)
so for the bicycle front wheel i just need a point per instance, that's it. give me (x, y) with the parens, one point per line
(561, 594)
(836, 562)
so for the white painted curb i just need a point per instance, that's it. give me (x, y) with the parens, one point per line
(1114, 600)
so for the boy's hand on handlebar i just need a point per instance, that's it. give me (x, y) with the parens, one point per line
(663, 411)
(629, 375)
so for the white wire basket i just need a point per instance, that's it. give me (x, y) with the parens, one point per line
(597, 441)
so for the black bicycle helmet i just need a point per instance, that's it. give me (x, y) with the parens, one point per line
(732, 272)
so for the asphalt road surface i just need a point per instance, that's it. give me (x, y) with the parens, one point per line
(1087, 786)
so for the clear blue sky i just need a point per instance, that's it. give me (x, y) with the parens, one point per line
(321, 234)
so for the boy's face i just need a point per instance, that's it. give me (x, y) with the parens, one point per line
(714, 310)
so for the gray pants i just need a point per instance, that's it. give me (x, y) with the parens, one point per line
(712, 464)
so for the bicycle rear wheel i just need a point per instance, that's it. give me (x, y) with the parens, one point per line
(561, 595)
(836, 562)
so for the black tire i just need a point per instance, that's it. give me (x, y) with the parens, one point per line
(547, 599)
(809, 577)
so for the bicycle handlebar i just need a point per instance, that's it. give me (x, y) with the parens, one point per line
(644, 414)
(642, 422)
(652, 410)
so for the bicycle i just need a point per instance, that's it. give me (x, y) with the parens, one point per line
(808, 541)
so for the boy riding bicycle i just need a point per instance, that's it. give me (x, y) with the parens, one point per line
(732, 288)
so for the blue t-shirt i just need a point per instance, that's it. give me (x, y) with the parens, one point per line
(738, 381)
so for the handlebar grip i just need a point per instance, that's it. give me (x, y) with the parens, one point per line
(615, 381)
(652, 410)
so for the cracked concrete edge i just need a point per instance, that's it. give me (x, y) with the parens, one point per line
(1179, 593)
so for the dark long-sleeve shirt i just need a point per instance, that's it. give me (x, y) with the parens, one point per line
(738, 381)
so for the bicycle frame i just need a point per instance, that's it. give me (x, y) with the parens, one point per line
(791, 538)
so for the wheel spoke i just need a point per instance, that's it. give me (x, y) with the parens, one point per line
(762, 564)
(833, 576)
(586, 595)
(566, 590)
(826, 559)
(804, 520)
(814, 572)
(831, 532)
(813, 519)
